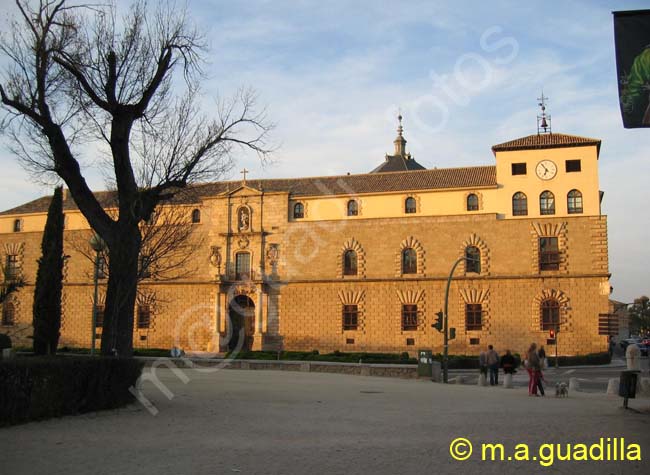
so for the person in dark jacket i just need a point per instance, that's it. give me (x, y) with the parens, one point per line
(508, 363)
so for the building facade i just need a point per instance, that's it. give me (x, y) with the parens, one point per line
(360, 262)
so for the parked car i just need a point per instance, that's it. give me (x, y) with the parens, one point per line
(628, 341)
(643, 344)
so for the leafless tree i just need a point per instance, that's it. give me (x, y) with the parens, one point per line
(79, 76)
(169, 243)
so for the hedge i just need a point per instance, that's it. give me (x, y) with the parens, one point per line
(33, 388)
(156, 352)
(337, 356)
(5, 341)
(582, 360)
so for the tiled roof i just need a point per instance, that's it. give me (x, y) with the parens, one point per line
(397, 163)
(444, 178)
(551, 140)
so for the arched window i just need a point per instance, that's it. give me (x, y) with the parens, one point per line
(574, 202)
(144, 266)
(519, 204)
(472, 202)
(102, 267)
(409, 261)
(546, 203)
(353, 208)
(298, 211)
(18, 225)
(410, 205)
(99, 316)
(350, 262)
(8, 313)
(473, 262)
(550, 314)
(196, 216)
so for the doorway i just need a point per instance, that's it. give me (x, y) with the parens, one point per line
(241, 316)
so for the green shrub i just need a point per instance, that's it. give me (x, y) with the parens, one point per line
(337, 356)
(5, 341)
(33, 388)
(157, 352)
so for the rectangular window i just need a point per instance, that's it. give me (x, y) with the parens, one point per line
(474, 341)
(518, 168)
(409, 317)
(549, 253)
(12, 270)
(349, 341)
(473, 316)
(410, 342)
(350, 317)
(144, 316)
(242, 266)
(99, 316)
(572, 166)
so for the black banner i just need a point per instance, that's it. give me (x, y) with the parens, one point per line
(632, 37)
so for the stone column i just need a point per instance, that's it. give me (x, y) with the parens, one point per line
(217, 313)
(257, 338)
(258, 310)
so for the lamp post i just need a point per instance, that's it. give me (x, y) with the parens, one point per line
(445, 354)
(564, 309)
(98, 245)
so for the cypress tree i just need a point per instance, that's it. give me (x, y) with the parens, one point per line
(49, 281)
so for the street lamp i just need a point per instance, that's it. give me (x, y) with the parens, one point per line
(445, 354)
(98, 245)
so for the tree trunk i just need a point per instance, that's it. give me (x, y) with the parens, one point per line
(117, 336)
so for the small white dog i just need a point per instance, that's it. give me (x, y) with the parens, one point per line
(561, 390)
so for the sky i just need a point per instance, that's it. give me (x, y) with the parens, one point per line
(466, 75)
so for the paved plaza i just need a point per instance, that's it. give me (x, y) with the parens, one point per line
(273, 422)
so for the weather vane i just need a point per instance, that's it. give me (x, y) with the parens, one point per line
(544, 119)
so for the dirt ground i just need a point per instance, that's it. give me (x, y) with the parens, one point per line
(272, 422)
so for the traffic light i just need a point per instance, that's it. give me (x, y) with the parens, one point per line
(439, 325)
(452, 333)
(551, 334)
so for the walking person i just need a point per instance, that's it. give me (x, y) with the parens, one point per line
(543, 362)
(539, 378)
(493, 365)
(533, 368)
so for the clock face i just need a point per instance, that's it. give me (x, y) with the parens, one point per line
(546, 169)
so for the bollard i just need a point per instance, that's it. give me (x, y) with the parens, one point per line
(612, 386)
(574, 384)
(482, 380)
(507, 381)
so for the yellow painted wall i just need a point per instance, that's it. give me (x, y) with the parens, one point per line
(586, 180)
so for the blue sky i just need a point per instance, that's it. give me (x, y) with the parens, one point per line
(466, 75)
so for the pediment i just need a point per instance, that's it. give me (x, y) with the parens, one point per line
(243, 190)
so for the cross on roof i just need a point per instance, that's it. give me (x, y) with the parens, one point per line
(244, 172)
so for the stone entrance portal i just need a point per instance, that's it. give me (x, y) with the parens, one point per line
(241, 317)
